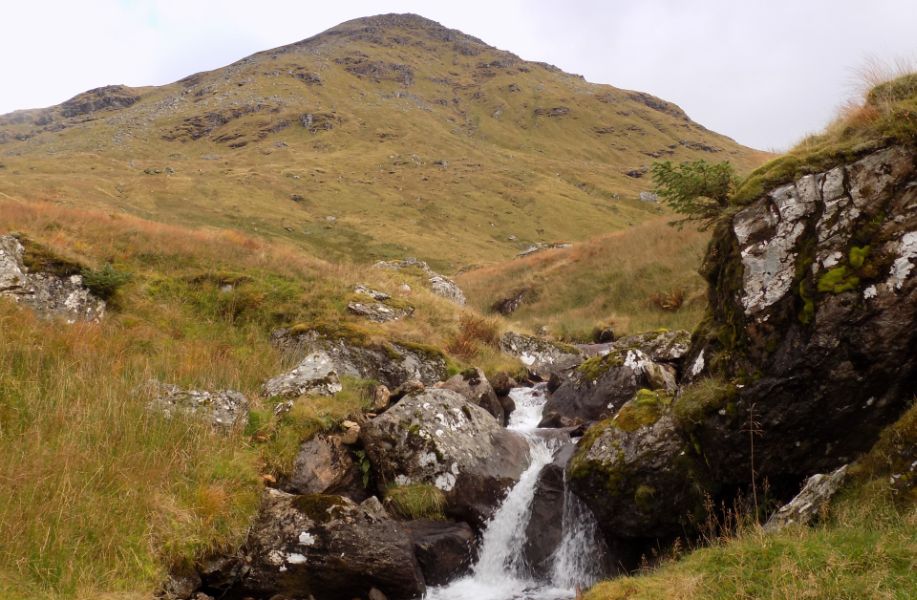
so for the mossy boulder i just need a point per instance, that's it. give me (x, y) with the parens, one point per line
(810, 339)
(637, 474)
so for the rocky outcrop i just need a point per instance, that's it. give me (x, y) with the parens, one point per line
(510, 304)
(541, 357)
(50, 295)
(378, 306)
(325, 360)
(602, 384)
(812, 311)
(439, 284)
(224, 409)
(444, 549)
(808, 504)
(327, 547)
(473, 385)
(437, 437)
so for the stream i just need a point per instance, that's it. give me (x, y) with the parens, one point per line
(500, 572)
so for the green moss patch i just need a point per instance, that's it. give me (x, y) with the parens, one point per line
(416, 501)
(701, 399)
(644, 410)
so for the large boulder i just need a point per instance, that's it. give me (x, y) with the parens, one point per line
(806, 507)
(602, 384)
(473, 385)
(545, 531)
(50, 295)
(637, 474)
(444, 549)
(812, 310)
(540, 356)
(437, 437)
(324, 360)
(326, 547)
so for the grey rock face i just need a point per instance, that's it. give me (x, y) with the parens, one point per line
(813, 291)
(377, 311)
(439, 284)
(224, 409)
(805, 507)
(47, 294)
(444, 549)
(324, 361)
(474, 387)
(437, 437)
(540, 356)
(601, 386)
(329, 547)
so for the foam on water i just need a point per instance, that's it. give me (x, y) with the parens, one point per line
(500, 572)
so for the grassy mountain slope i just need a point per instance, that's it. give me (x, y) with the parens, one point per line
(382, 137)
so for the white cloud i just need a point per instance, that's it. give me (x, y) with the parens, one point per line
(764, 73)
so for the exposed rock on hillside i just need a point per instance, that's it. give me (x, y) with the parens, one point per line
(439, 284)
(328, 547)
(806, 506)
(473, 385)
(437, 437)
(813, 304)
(325, 360)
(808, 351)
(324, 465)
(48, 294)
(225, 409)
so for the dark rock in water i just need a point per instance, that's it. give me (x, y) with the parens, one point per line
(444, 549)
(544, 531)
(324, 465)
(812, 314)
(502, 383)
(473, 385)
(508, 405)
(437, 437)
(327, 547)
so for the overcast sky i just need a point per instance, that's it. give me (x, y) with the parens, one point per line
(763, 72)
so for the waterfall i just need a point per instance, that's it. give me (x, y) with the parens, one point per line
(500, 572)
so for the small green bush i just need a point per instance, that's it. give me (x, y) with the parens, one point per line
(105, 282)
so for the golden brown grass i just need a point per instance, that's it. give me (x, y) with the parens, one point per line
(636, 280)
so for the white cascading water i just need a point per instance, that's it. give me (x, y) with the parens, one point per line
(500, 572)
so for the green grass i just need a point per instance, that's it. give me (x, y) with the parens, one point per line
(416, 501)
(866, 549)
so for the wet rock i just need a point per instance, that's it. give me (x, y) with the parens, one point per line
(437, 437)
(502, 382)
(325, 360)
(444, 549)
(473, 385)
(638, 475)
(808, 504)
(540, 356)
(50, 295)
(600, 386)
(224, 409)
(544, 531)
(439, 284)
(328, 547)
